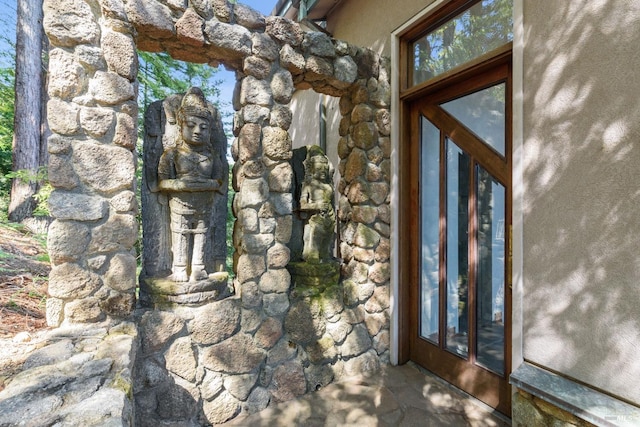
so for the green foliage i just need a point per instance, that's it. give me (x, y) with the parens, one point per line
(42, 197)
(160, 75)
(7, 98)
(43, 258)
(7, 95)
(7, 101)
(28, 176)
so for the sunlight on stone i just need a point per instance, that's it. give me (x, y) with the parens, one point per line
(475, 413)
(359, 416)
(442, 399)
(426, 390)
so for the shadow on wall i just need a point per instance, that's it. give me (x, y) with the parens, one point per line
(581, 163)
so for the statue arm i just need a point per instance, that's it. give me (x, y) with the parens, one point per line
(315, 198)
(320, 206)
(168, 180)
(305, 198)
(166, 169)
(189, 185)
(166, 173)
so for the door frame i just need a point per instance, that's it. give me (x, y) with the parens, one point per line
(488, 386)
(400, 318)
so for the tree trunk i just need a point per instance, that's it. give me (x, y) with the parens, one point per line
(28, 116)
(45, 132)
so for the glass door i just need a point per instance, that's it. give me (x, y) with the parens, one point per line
(461, 136)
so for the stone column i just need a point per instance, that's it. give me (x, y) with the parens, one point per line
(92, 114)
(364, 214)
(264, 213)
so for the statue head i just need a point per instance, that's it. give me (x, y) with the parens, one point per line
(195, 118)
(317, 165)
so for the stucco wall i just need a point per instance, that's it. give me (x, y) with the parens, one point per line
(364, 24)
(305, 126)
(581, 191)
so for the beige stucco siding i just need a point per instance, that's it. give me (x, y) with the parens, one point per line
(305, 126)
(581, 191)
(370, 23)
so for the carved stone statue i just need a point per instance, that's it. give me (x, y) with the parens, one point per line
(186, 174)
(313, 267)
(316, 203)
(184, 201)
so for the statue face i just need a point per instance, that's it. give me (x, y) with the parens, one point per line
(196, 130)
(320, 170)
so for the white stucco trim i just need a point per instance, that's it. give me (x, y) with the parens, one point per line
(395, 163)
(517, 144)
(395, 179)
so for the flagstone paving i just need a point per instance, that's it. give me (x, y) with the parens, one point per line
(404, 396)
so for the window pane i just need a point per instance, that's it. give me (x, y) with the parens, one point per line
(458, 176)
(491, 270)
(485, 26)
(483, 112)
(430, 235)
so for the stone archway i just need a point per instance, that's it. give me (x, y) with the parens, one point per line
(250, 358)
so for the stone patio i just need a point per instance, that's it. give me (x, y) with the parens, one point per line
(398, 396)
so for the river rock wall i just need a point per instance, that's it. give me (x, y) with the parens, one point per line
(271, 341)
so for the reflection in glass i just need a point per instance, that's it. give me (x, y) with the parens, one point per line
(485, 26)
(483, 112)
(429, 220)
(491, 272)
(457, 175)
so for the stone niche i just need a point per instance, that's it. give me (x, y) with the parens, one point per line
(312, 245)
(184, 230)
(268, 341)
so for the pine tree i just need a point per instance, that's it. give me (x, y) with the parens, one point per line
(28, 109)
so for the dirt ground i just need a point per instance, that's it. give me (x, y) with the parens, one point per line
(24, 271)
